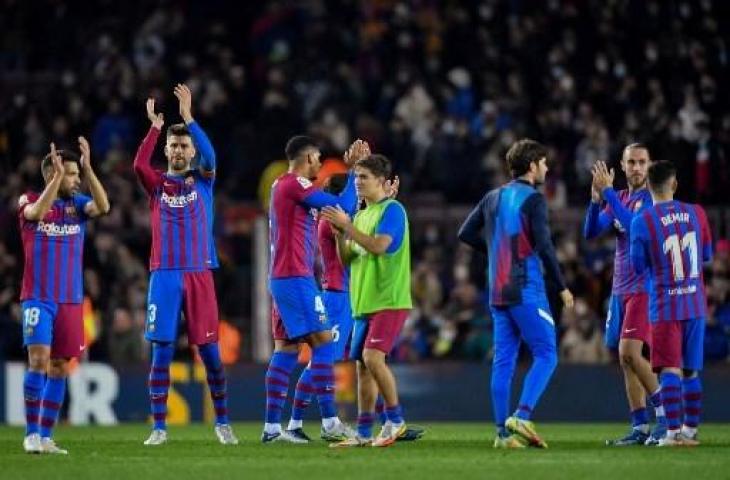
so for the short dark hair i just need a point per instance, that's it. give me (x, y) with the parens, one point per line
(297, 144)
(660, 173)
(336, 183)
(379, 165)
(66, 156)
(522, 153)
(178, 130)
(636, 146)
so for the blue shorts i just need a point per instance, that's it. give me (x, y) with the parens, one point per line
(339, 311)
(614, 320)
(300, 305)
(58, 325)
(173, 291)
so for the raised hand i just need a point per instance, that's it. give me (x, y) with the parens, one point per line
(602, 176)
(358, 150)
(156, 119)
(57, 161)
(85, 150)
(392, 187)
(185, 98)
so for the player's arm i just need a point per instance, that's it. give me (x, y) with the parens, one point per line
(99, 204)
(705, 234)
(597, 221)
(200, 139)
(603, 182)
(38, 209)
(143, 159)
(313, 197)
(472, 230)
(377, 244)
(638, 241)
(537, 215)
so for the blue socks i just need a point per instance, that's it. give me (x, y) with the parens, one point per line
(672, 399)
(640, 420)
(216, 381)
(33, 384)
(692, 395)
(277, 384)
(159, 383)
(323, 378)
(53, 395)
(365, 422)
(303, 394)
(394, 414)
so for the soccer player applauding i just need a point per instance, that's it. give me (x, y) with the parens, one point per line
(510, 225)
(376, 246)
(181, 261)
(52, 227)
(627, 325)
(671, 240)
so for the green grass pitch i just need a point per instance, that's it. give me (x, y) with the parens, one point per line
(448, 450)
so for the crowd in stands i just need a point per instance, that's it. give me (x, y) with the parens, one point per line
(441, 88)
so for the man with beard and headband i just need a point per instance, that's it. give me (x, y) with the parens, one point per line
(510, 226)
(627, 325)
(182, 257)
(52, 227)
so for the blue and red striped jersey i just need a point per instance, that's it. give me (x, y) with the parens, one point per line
(618, 218)
(671, 240)
(335, 276)
(293, 219)
(181, 213)
(54, 249)
(510, 225)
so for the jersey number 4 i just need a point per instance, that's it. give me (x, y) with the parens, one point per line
(674, 248)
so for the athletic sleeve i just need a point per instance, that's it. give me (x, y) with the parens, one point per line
(205, 149)
(620, 212)
(313, 197)
(597, 221)
(638, 245)
(393, 224)
(471, 231)
(537, 215)
(80, 202)
(148, 177)
(705, 234)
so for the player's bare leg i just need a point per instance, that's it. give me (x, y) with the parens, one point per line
(374, 361)
(367, 392)
(639, 381)
(39, 357)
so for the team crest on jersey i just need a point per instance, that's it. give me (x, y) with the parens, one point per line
(70, 211)
(304, 182)
(637, 205)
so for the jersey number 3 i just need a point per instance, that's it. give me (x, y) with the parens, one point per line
(674, 247)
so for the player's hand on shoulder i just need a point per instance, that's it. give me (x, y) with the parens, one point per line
(567, 297)
(156, 119)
